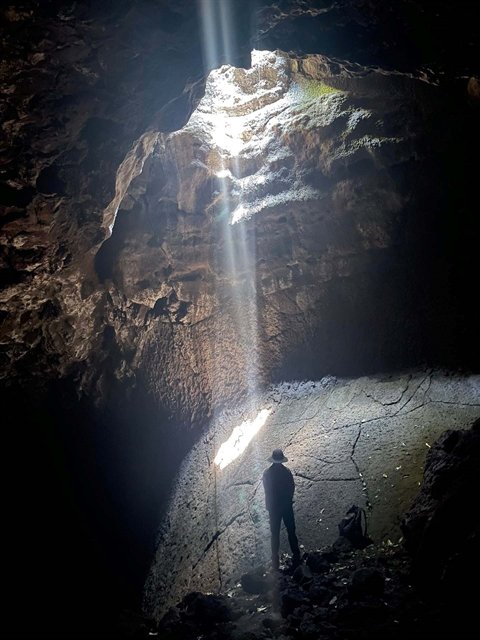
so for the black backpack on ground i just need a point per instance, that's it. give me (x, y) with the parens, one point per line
(353, 526)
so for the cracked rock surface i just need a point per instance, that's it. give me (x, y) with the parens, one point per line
(361, 441)
(112, 243)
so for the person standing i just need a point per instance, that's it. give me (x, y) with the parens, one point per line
(279, 488)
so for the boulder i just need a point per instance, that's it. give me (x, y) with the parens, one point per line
(367, 581)
(444, 517)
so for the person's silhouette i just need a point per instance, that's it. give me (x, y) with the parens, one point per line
(279, 489)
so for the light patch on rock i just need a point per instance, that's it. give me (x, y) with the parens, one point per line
(348, 441)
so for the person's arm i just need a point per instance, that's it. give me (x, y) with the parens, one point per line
(266, 488)
(291, 484)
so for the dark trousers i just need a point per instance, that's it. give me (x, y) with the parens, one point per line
(276, 517)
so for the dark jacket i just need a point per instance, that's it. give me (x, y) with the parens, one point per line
(279, 487)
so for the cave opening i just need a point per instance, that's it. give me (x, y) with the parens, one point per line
(225, 231)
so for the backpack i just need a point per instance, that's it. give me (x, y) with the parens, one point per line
(353, 526)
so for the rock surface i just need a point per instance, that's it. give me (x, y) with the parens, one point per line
(118, 280)
(365, 594)
(442, 526)
(361, 441)
(362, 594)
(85, 90)
(350, 250)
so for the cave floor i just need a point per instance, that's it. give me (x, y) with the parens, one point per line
(347, 594)
(356, 441)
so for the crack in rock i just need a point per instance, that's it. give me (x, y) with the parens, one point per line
(427, 377)
(356, 440)
(242, 483)
(368, 502)
(252, 519)
(301, 475)
(385, 404)
(349, 425)
(215, 537)
(459, 404)
(403, 392)
(306, 421)
(406, 413)
(324, 460)
(388, 404)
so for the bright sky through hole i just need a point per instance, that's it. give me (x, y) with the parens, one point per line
(242, 119)
(227, 134)
(227, 129)
(240, 438)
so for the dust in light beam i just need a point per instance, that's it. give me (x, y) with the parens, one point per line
(240, 438)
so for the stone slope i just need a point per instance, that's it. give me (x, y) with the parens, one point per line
(360, 441)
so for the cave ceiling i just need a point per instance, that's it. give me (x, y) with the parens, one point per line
(118, 257)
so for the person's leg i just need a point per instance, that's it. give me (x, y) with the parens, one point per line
(275, 521)
(289, 520)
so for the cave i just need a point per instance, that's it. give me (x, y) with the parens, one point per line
(231, 226)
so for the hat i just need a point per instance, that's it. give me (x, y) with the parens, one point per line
(277, 456)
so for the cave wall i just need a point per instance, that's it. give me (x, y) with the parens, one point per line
(356, 441)
(89, 93)
(352, 258)
(82, 495)
(83, 88)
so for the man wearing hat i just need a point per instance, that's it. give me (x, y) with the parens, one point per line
(279, 489)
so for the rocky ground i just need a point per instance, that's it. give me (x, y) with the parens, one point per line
(339, 592)
(357, 441)
(346, 594)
